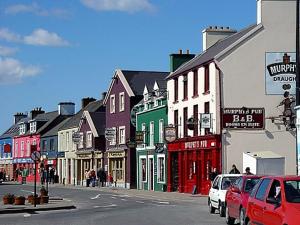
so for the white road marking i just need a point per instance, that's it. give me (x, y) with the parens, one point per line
(105, 206)
(114, 197)
(123, 199)
(140, 202)
(28, 191)
(97, 196)
(166, 203)
(27, 215)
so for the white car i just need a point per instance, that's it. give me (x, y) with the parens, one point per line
(217, 192)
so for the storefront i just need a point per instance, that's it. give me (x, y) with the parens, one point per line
(190, 161)
(116, 167)
(25, 167)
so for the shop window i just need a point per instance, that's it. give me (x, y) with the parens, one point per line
(117, 169)
(151, 143)
(161, 168)
(143, 170)
(185, 87)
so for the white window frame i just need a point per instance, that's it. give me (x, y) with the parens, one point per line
(121, 102)
(22, 148)
(89, 138)
(67, 139)
(16, 150)
(28, 147)
(158, 168)
(161, 131)
(141, 169)
(144, 132)
(33, 127)
(151, 132)
(122, 139)
(22, 129)
(80, 144)
(114, 140)
(112, 103)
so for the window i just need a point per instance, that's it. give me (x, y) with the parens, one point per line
(143, 170)
(121, 102)
(185, 117)
(144, 130)
(22, 129)
(16, 145)
(262, 190)
(161, 168)
(206, 110)
(206, 78)
(185, 87)
(89, 136)
(176, 122)
(32, 127)
(122, 135)
(112, 104)
(176, 89)
(216, 183)
(195, 83)
(114, 139)
(151, 142)
(161, 131)
(117, 169)
(195, 109)
(80, 144)
(250, 183)
(51, 144)
(292, 191)
(73, 143)
(44, 145)
(67, 141)
(22, 148)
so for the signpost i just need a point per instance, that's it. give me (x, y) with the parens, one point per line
(170, 133)
(35, 156)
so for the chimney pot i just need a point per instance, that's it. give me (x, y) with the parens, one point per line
(188, 51)
(180, 51)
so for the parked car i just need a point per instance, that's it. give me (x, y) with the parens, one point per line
(236, 198)
(216, 196)
(275, 200)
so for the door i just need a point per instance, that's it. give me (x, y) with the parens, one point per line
(151, 175)
(174, 174)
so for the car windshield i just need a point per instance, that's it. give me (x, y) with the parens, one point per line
(226, 182)
(250, 183)
(292, 191)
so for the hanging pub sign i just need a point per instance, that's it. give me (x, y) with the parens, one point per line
(170, 133)
(139, 137)
(205, 120)
(131, 144)
(159, 147)
(280, 73)
(110, 134)
(76, 137)
(243, 118)
(7, 148)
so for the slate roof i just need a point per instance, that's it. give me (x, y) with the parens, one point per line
(14, 129)
(211, 52)
(54, 130)
(98, 119)
(74, 120)
(138, 79)
(49, 117)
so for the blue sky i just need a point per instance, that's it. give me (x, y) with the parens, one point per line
(54, 51)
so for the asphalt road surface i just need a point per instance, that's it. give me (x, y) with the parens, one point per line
(101, 207)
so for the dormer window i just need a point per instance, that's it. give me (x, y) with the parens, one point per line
(22, 129)
(32, 127)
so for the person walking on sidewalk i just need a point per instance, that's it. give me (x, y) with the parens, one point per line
(234, 170)
(87, 177)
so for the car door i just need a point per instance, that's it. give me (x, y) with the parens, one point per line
(233, 203)
(214, 192)
(273, 214)
(256, 206)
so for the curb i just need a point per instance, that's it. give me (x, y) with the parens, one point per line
(31, 210)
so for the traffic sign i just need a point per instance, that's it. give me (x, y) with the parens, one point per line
(36, 156)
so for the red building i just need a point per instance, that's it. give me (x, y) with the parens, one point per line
(190, 161)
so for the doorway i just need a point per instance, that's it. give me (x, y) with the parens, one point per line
(174, 174)
(151, 171)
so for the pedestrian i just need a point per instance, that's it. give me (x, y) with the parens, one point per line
(52, 171)
(234, 170)
(101, 177)
(213, 174)
(87, 177)
(247, 171)
(110, 180)
(93, 177)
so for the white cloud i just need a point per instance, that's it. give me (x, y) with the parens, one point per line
(13, 71)
(39, 37)
(6, 51)
(35, 9)
(119, 5)
(44, 38)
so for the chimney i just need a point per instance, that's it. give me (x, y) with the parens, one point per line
(258, 11)
(103, 95)
(66, 108)
(212, 35)
(36, 112)
(18, 117)
(176, 60)
(86, 101)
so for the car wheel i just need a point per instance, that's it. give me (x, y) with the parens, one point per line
(229, 220)
(222, 210)
(242, 216)
(210, 207)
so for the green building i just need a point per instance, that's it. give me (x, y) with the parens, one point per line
(151, 118)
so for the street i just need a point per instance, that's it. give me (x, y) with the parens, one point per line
(95, 206)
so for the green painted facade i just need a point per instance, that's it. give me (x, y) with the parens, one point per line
(152, 117)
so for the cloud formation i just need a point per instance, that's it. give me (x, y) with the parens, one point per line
(6, 51)
(119, 5)
(39, 37)
(12, 71)
(36, 10)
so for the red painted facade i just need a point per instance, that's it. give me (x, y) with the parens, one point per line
(190, 161)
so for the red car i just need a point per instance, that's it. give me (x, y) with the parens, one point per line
(275, 200)
(237, 198)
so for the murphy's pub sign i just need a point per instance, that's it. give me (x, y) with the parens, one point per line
(280, 73)
(243, 118)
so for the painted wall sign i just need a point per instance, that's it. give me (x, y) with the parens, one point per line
(243, 118)
(110, 134)
(170, 133)
(139, 137)
(116, 154)
(280, 73)
(7, 148)
(76, 137)
(195, 144)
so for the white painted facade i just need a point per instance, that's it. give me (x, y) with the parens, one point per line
(67, 166)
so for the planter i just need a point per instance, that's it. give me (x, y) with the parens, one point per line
(43, 192)
(8, 200)
(44, 199)
(36, 200)
(20, 200)
(30, 198)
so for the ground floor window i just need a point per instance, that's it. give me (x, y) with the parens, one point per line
(117, 169)
(161, 168)
(144, 170)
